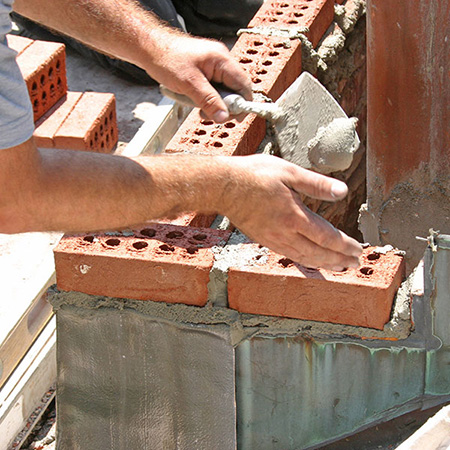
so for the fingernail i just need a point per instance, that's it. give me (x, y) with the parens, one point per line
(338, 190)
(220, 116)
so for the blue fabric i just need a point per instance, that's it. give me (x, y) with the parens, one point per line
(16, 114)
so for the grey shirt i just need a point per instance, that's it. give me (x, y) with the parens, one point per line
(16, 114)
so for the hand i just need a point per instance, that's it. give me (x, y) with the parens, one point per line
(186, 65)
(265, 205)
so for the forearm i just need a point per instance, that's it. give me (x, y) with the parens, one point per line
(120, 28)
(80, 191)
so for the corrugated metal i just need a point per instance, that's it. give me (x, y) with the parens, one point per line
(293, 393)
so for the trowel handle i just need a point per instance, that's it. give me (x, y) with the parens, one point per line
(236, 104)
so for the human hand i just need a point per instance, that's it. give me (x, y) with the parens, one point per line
(264, 203)
(186, 65)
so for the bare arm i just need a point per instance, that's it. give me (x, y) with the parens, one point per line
(73, 191)
(122, 29)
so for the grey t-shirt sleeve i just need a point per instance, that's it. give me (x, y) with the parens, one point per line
(16, 114)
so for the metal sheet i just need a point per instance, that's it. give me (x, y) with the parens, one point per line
(293, 393)
(129, 381)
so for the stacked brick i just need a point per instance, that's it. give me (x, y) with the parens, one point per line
(66, 120)
(170, 263)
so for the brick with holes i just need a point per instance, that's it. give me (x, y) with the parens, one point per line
(204, 137)
(43, 66)
(160, 262)
(275, 286)
(90, 126)
(18, 43)
(273, 63)
(316, 15)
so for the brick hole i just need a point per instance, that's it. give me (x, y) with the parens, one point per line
(106, 121)
(257, 43)
(261, 72)
(42, 80)
(284, 5)
(192, 250)
(279, 13)
(366, 271)
(89, 239)
(111, 116)
(252, 51)
(279, 46)
(229, 125)
(245, 60)
(200, 132)
(34, 86)
(256, 80)
(96, 137)
(258, 257)
(59, 82)
(44, 96)
(285, 262)
(267, 63)
(36, 105)
(217, 144)
(149, 232)
(304, 7)
(107, 138)
(50, 72)
(101, 130)
(140, 245)
(200, 237)
(113, 242)
(292, 22)
(207, 122)
(223, 135)
(273, 19)
(274, 53)
(58, 64)
(373, 256)
(52, 90)
(297, 14)
(174, 234)
(91, 143)
(167, 248)
(102, 145)
(194, 141)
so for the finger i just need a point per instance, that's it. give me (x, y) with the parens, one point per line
(325, 235)
(207, 98)
(316, 185)
(231, 74)
(303, 251)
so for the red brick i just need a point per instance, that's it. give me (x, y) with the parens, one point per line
(273, 63)
(339, 2)
(204, 137)
(361, 297)
(47, 126)
(43, 66)
(91, 125)
(317, 15)
(192, 220)
(160, 262)
(18, 43)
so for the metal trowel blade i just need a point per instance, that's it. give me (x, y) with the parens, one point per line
(307, 109)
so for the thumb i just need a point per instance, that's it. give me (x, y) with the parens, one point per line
(208, 99)
(318, 186)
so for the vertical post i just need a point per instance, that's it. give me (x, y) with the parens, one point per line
(408, 155)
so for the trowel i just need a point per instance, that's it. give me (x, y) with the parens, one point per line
(311, 128)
